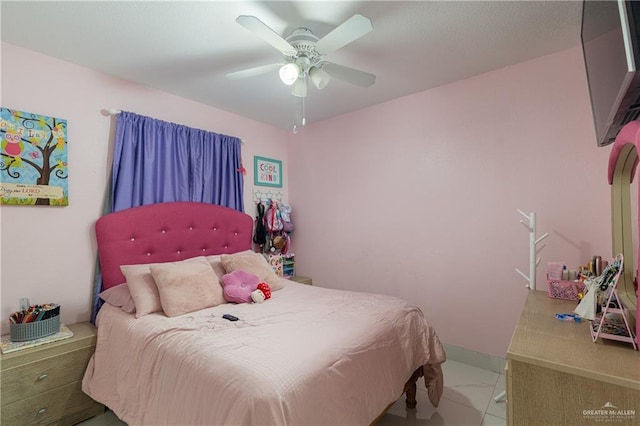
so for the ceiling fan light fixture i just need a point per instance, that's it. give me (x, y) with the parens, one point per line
(319, 77)
(289, 73)
(303, 53)
(300, 88)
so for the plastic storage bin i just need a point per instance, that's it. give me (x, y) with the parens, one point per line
(34, 330)
(568, 290)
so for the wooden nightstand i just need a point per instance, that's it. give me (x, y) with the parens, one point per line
(43, 385)
(302, 280)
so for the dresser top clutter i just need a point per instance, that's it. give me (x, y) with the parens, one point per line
(541, 339)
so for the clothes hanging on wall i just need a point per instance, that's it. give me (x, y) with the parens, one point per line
(273, 227)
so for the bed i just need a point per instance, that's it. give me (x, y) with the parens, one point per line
(308, 355)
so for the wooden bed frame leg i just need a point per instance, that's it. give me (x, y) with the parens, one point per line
(410, 388)
(411, 395)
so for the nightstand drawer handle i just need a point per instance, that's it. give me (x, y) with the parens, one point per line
(43, 376)
(42, 410)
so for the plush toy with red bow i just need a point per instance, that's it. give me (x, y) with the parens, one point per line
(262, 293)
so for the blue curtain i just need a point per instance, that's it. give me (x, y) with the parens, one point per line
(155, 161)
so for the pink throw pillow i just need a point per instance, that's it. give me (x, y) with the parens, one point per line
(120, 297)
(238, 286)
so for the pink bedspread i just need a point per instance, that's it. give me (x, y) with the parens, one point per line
(308, 355)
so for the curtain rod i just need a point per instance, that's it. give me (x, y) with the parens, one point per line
(113, 111)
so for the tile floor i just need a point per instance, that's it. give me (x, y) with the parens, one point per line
(467, 401)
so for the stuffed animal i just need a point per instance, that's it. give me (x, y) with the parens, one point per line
(262, 293)
(239, 285)
(279, 242)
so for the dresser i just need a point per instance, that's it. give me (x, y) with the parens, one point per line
(42, 385)
(556, 375)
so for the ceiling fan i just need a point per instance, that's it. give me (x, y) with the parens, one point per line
(303, 54)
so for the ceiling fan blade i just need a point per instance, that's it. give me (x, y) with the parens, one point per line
(261, 29)
(350, 30)
(350, 75)
(251, 72)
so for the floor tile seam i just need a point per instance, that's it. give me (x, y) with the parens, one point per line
(470, 405)
(492, 415)
(495, 415)
(494, 377)
(490, 400)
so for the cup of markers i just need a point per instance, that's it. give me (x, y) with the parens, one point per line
(34, 322)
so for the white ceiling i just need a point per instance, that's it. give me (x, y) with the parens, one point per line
(186, 48)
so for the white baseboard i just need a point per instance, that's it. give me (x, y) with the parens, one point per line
(474, 358)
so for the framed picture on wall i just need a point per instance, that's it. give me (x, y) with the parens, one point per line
(267, 172)
(33, 159)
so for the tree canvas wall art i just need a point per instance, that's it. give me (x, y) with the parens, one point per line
(33, 159)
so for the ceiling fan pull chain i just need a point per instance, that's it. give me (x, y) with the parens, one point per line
(304, 112)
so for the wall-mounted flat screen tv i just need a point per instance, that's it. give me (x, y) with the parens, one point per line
(610, 45)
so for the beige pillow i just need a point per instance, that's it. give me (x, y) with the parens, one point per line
(185, 287)
(254, 263)
(216, 263)
(142, 288)
(144, 291)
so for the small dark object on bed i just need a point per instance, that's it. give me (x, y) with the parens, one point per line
(230, 317)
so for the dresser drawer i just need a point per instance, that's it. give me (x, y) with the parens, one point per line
(30, 379)
(49, 407)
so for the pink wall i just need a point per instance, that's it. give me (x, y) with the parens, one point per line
(417, 197)
(48, 253)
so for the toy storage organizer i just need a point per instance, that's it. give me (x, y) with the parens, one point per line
(612, 323)
(283, 264)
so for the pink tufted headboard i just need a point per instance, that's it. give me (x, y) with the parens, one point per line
(166, 232)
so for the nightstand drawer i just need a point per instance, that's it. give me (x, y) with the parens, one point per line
(30, 379)
(63, 402)
(302, 280)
